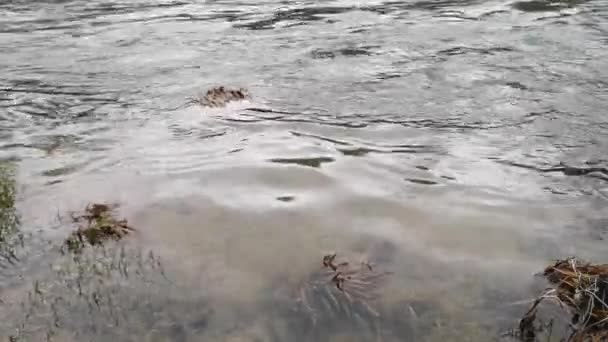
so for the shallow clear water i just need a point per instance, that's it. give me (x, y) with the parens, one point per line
(414, 133)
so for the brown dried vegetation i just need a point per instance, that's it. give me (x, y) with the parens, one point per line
(341, 289)
(581, 288)
(96, 225)
(220, 96)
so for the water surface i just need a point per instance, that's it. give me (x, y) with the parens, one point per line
(413, 133)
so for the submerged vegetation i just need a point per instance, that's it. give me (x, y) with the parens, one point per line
(112, 292)
(339, 296)
(582, 289)
(104, 293)
(97, 224)
(10, 236)
(348, 289)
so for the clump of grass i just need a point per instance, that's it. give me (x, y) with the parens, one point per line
(9, 219)
(582, 289)
(220, 96)
(98, 223)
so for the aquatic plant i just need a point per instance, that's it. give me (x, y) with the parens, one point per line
(341, 290)
(220, 96)
(105, 293)
(98, 224)
(10, 235)
(581, 288)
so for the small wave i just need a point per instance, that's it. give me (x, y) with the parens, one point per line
(461, 50)
(311, 162)
(541, 6)
(297, 15)
(346, 52)
(421, 181)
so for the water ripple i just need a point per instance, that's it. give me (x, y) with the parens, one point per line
(365, 119)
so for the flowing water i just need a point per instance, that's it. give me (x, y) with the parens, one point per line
(414, 134)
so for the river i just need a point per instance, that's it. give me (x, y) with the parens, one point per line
(427, 136)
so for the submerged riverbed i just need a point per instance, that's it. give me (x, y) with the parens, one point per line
(427, 137)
